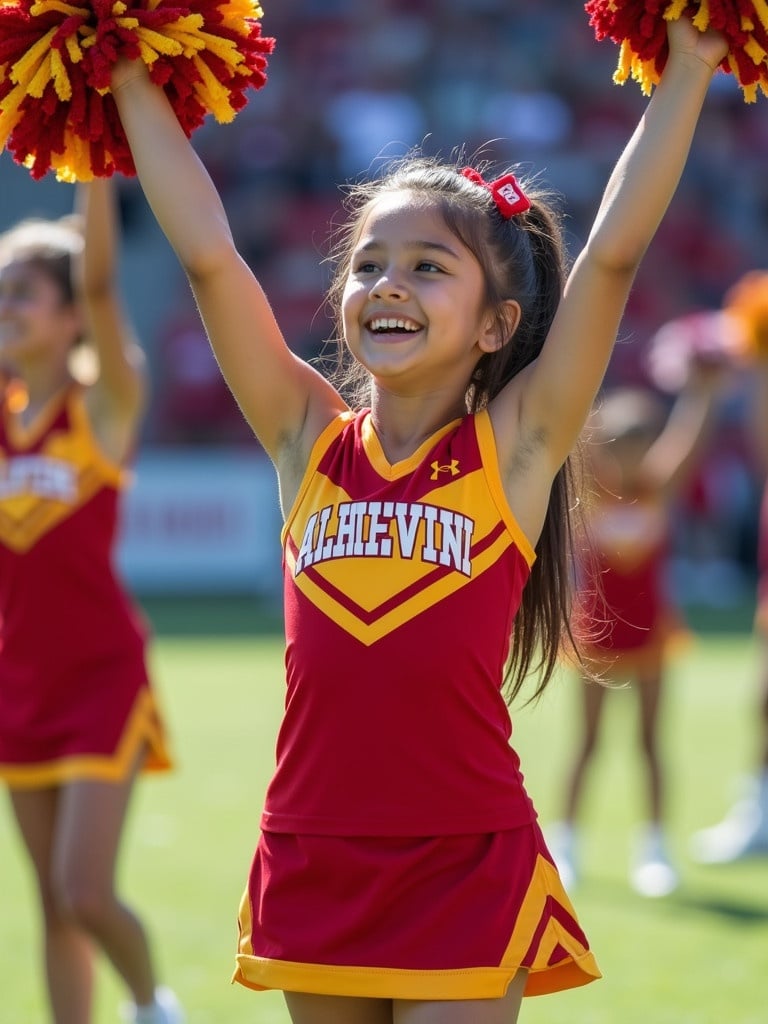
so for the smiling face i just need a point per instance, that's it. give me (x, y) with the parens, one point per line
(413, 306)
(36, 320)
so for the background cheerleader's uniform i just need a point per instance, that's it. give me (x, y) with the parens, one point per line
(75, 701)
(623, 601)
(400, 855)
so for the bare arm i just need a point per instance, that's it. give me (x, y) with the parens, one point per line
(672, 456)
(546, 407)
(285, 401)
(120, 387)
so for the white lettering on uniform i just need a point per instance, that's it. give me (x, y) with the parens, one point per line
(349, 536)
(375, 529)
(306, 556)
(429, 552)
(407, 528)
(38, 475)
(379, 543)
(457, 534)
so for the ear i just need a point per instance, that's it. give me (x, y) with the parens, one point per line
(78, 319)
(497, 333)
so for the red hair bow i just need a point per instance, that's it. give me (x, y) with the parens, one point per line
(506, 192)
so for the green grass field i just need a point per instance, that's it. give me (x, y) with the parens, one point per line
(698, 957)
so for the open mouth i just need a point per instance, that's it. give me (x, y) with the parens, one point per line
(392, 325)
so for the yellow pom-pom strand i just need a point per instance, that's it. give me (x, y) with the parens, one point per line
(212, 93)
(630, 66)
(675, 10)
(32, 66)
(74, 50)
(702, 19)
(238, 12)
(48, 6)
(10, 113)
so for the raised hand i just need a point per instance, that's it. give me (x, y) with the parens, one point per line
(684, 38)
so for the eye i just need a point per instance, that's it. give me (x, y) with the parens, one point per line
(428, 267)
(365, 267)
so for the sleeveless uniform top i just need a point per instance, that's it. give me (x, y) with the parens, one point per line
(72, 666)
(401, 586)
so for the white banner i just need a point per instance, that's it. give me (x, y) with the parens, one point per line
(201, 521)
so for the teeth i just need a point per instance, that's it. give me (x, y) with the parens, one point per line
(392, 323)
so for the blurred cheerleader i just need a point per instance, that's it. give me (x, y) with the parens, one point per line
(77, 716)
(744, 831)
(639, 457)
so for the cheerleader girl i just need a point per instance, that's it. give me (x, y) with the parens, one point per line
(78, 718)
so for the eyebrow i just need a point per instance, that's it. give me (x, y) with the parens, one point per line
(419, 245)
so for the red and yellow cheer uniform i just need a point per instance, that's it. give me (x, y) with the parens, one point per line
(400, 855)
(75, 701)
(623, 592)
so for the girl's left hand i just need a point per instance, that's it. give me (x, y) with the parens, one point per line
(124, 71)
(710, 46)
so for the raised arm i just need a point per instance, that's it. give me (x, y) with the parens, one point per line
(285, 401)
(556, 395)
(672, 456)
(120, 387)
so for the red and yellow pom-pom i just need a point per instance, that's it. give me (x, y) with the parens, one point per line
(747, 303)
(56, 56)
(639, 27)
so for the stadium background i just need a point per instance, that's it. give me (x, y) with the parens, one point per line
(352, 81)
(351, 84)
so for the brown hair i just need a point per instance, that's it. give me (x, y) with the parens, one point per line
(522, 258)
(49, 245)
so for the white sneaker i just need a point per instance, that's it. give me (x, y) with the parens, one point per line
(742, 833)
(561, 843)
(166, 1009)
(652, 874)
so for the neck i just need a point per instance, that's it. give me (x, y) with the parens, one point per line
(403, 423)
(43, 381)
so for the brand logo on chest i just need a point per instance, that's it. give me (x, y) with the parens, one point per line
(452, 468)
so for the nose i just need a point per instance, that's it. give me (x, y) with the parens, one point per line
(389, 285)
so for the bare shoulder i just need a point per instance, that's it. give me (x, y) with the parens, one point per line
(115, 425)
(526, 465)
(294, 453)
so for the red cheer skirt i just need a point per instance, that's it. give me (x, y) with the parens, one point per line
(451, 917)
